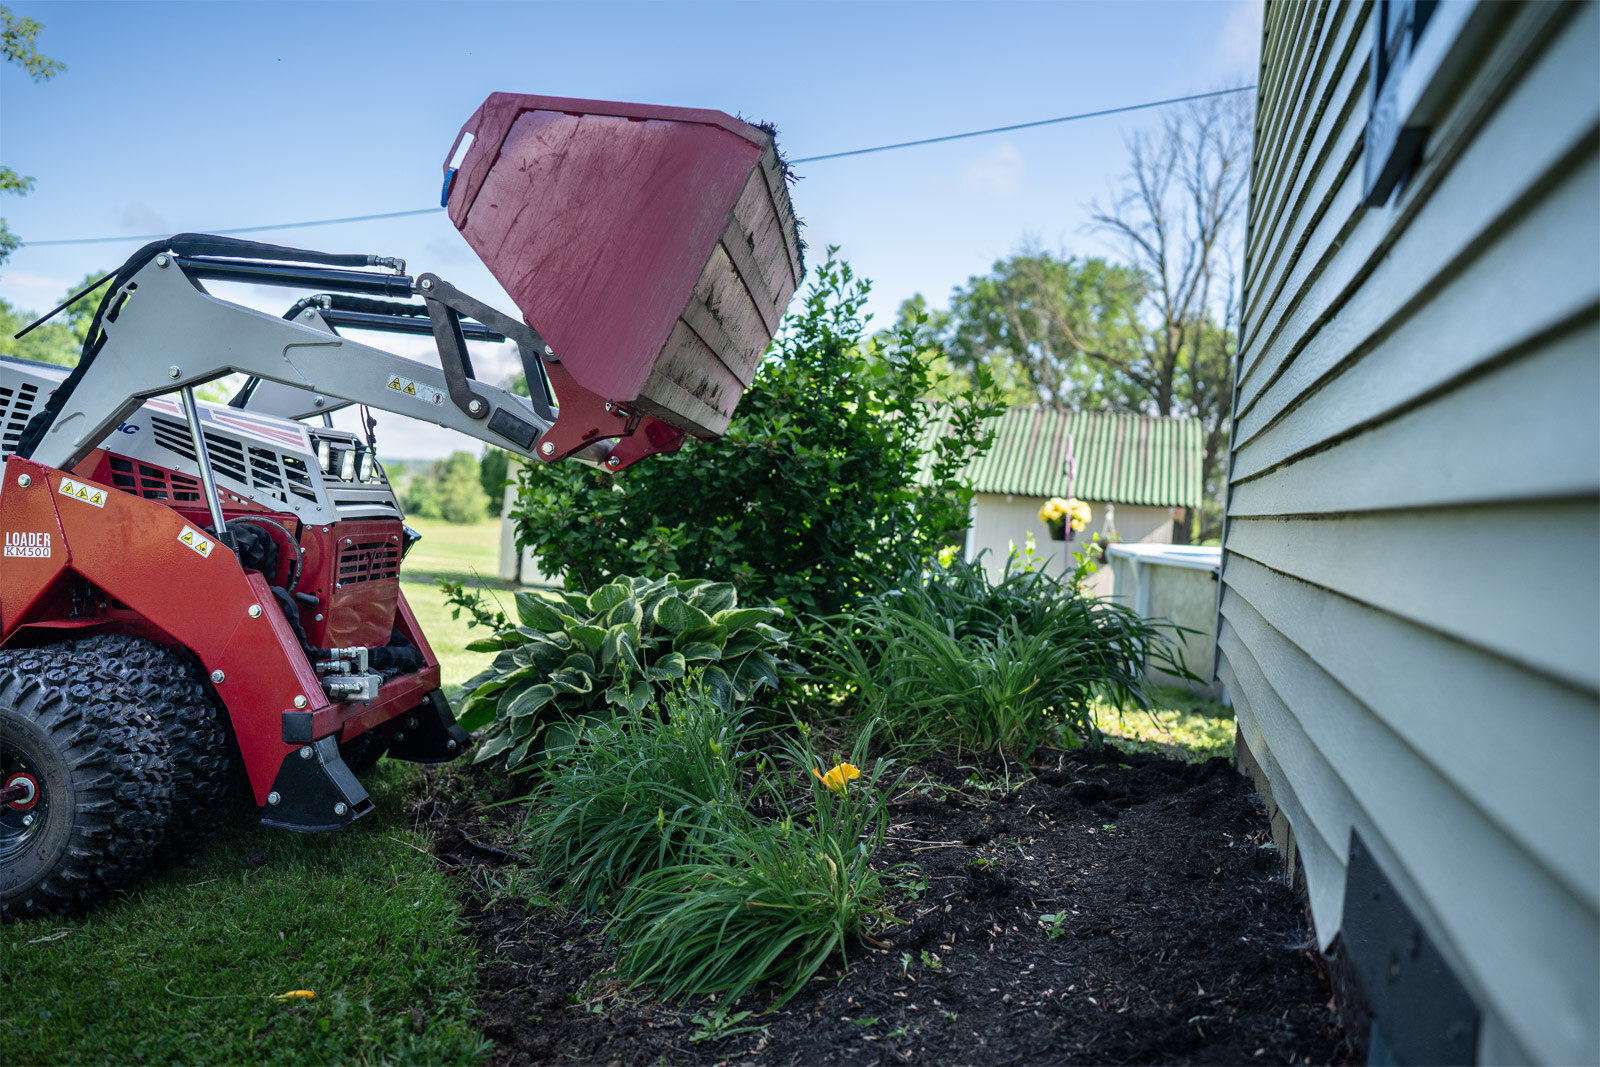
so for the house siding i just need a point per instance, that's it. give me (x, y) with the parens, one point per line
(1409, 614)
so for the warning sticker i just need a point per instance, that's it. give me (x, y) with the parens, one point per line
(86, 493)
(195, 540)
(24, 544)
(426, 394)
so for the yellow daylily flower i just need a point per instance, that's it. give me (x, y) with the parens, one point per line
(837, 778)
(296, 994)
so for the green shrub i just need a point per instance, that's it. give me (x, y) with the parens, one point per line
(808, 500)
(951, 658)
(451, 489)
(640, 792)
(766, 900)
(574, 657)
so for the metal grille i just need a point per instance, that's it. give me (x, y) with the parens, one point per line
(16, 406)
(153, 483)
(369, 561)
(266, 471)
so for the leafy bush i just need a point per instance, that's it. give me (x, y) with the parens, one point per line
(766, 900)
(808, 500)
(451, 490)
(574, 657)
(950, 657)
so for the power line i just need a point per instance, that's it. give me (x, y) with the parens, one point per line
(1026, 125)
(806, 159)
(241, 229)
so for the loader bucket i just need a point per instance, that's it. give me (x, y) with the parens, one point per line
(654, 248)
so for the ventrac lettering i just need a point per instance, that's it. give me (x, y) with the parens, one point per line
(25, 544)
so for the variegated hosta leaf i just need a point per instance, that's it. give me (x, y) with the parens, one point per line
(675, 615)
(609, 596)
(718, 596)
(537, 613)
(736, 619)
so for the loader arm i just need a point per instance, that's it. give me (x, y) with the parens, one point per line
(163, 332)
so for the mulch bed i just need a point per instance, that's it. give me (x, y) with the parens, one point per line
(1179, 942)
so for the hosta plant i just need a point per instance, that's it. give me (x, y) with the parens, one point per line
(574, 656)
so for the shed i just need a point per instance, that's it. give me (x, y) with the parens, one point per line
(1136, 473)
(1409, 607)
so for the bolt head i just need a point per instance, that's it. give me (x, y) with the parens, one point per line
(341, 808)
(476, 407)
(412, 722)
(174, 371)
(427, 283)
(27, 820)
(300, 702)
(306, 752)
(399, 736)
(613, 461)
(274, 798)
(319, 616)
(546, 448)
(549, 351)
(163, 260)
(218, 677)
(451, 745)
(24, 480)
(255, 611)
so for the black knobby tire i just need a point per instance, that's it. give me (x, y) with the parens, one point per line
(362, 752)
(104, 782)
(175, 691)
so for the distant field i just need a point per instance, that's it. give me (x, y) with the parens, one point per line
(466, 554)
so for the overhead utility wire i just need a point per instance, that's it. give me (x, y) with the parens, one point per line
(1025, 125)
(806, 159)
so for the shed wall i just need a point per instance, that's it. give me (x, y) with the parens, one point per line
(1409, 620)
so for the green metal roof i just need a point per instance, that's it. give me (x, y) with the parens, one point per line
(1123, 459)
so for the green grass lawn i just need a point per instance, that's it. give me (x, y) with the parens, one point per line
(185, 967)
(1181, 725)
(466, 554)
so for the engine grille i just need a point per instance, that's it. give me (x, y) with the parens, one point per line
(265, 470)
(16, 407)
(368, 561)
(153, 483)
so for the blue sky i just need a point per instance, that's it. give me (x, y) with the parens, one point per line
(195, 116)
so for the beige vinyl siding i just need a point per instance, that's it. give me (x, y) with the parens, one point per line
(1409, 621)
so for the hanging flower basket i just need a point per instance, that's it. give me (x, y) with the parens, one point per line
(1058, 514)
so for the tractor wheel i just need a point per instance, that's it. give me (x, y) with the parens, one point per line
(84, 778)
(176, 693)
(362, 752)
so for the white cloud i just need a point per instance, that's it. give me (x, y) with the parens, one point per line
(996, 173)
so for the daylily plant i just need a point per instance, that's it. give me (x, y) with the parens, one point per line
(837, 778)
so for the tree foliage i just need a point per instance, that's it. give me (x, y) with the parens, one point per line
(17, 36)
(1154, 334)
(809, 498)
(451, 490)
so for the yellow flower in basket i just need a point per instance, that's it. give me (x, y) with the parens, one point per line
(1081, 515)
(1054, 510)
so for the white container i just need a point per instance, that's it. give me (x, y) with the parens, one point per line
(1177, 583)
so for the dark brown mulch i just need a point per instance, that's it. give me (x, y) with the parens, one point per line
(1180, 940)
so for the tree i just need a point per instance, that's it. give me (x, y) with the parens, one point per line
(1177, 215)
(51, 343)
(450, 490)
(1154, 334)
(495, 467)
(16, 46)
(809, 500)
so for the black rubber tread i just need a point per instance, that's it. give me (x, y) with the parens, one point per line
(362, 752)
(114, 797)
(175, 691)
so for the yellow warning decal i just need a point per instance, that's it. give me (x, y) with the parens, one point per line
(416, 390)
(195, 540)
(89, 494)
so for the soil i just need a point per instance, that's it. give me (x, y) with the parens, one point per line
(1178, 938)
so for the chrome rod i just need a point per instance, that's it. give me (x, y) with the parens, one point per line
(208, 481)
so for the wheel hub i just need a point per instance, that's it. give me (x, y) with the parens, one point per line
(23, 805)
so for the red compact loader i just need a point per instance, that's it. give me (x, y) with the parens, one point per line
(189, 589)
